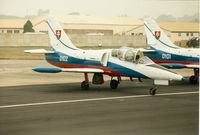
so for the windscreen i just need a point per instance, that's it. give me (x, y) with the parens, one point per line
(145, 60)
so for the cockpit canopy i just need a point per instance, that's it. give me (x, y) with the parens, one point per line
(131, 55)
(127, 54)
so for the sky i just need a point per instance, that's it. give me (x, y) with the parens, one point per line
(134, 8)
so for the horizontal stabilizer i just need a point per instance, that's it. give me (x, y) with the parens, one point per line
(145, 50)
(39, 51)
(77, 70)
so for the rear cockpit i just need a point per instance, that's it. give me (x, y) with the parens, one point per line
(130, 55)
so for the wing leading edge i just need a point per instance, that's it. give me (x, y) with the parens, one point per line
(39, 51)
(178, 66)
(57, 70)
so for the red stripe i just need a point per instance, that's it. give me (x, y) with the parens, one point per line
(106, 70)
(174, 62)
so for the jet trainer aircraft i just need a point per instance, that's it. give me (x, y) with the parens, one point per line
(113, 62)
(165, 53)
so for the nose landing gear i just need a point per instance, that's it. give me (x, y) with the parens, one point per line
(153, 90)
(85, 84)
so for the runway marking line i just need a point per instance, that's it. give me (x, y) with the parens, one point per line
(94, 99)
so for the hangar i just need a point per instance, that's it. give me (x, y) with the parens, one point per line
(102, 25)
(12, 26)
(176, 31)
(15, 26)
(93, 25)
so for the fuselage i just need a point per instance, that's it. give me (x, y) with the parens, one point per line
(183, 56)
(114, 66)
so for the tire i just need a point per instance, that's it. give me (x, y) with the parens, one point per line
(152, 91)
(84, 86)
(114, 84)
(193, 80)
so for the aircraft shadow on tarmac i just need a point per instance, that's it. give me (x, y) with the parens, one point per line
(125, 87)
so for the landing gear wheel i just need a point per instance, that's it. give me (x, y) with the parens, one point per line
(84, 85)
(114, 84)
(193, 80)
(152, 91)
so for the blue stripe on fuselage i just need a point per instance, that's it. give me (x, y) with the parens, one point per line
(76, 61)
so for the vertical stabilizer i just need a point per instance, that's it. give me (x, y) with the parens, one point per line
(58, 38)
(155, 35)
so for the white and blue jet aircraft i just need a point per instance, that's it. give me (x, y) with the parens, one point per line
(124, 62)
(165, 53)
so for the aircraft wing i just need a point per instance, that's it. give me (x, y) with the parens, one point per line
(39, 51)
(192, 66)
(82, 70)
(178, 66)
(57, 70)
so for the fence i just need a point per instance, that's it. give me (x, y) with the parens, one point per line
(78, 40)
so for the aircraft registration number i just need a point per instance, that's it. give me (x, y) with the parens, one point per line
(63, 58)
(166, 56)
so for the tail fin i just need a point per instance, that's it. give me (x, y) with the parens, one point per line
(155, 36)
(58, 38)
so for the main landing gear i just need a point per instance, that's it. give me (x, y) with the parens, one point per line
(114, 83)
(85, 84)
(194, 79)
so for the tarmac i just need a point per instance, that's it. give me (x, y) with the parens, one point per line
(49, 104)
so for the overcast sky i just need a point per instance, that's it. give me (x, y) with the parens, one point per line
(135, 8)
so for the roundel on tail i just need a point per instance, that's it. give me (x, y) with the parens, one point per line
(157, 34)
(58, 34)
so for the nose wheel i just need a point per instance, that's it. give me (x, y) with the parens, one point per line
(152, 91)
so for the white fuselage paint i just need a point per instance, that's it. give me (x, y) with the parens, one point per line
(151, 72)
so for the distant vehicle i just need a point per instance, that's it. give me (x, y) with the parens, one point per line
(194, 42)
(113, 62)
(165, 53)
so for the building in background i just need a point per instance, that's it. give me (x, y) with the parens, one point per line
(179, 33)
(92, 25)
(102, 26)
(12, 26)
(15, 26)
